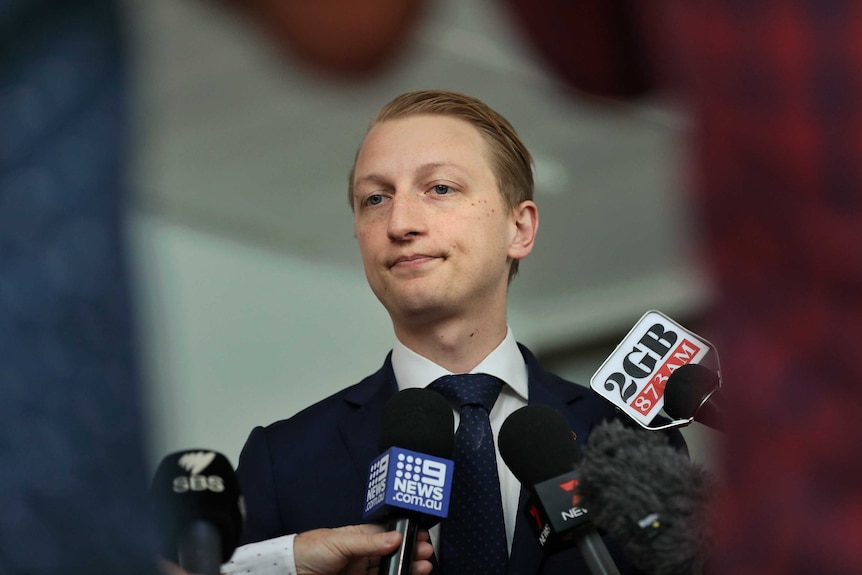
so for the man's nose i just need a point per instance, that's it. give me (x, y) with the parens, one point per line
(406, 217)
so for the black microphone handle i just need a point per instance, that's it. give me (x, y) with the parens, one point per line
(400, 561)
(596, 554)
(199, 548)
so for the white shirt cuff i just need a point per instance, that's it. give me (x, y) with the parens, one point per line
(270, 557)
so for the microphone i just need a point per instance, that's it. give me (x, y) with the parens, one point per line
(537, 444)
(692, 392)
(410, 482)
(648, 496)
(201, 512)
(633, 378)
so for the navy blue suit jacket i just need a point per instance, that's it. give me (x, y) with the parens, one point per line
(311, 470)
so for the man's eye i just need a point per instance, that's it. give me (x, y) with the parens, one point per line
(441, 189)
(374, 200)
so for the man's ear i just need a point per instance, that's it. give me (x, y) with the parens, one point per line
(526, 220)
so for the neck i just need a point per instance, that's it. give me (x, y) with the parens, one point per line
(457, 346)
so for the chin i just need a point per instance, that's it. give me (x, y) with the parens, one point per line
(418, 310)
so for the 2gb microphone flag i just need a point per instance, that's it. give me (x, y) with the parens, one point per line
(633, 377)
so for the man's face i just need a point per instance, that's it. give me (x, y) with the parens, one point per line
(432, 226)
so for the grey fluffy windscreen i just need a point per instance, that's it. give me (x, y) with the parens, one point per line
(648, 496)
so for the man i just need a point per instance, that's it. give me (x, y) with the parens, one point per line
(442, 195)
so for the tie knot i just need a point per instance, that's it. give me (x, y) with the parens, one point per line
(469, 389)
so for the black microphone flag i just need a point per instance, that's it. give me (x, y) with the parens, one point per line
(537, 445)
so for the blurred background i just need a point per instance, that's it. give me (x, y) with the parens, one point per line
(252, 302)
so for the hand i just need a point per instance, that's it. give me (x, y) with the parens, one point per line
(169, 568)
(354, 550)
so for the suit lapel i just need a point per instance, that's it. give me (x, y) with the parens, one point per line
(360, 430)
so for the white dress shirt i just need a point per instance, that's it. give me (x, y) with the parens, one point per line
(506, 363)
(275, 556)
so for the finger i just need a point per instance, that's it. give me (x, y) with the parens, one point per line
(369, 528)
(359, 542)
(422, 568)
(423, 550)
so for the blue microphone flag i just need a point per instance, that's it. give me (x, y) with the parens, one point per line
(408, 481)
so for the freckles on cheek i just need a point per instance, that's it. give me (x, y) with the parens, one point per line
(361, 234)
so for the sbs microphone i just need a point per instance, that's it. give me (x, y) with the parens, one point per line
(537, 444)
(650, 497)
(410, 482)
(198, 504)
(692, 392)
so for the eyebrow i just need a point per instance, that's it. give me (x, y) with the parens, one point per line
(423, 171)
(375, 179)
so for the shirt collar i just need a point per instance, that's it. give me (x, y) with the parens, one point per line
(505, 362)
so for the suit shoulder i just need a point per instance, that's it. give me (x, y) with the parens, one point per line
(321, 416)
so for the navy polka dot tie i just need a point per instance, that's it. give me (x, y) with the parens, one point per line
(473, 537)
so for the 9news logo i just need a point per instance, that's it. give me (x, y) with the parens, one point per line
(409, 480)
